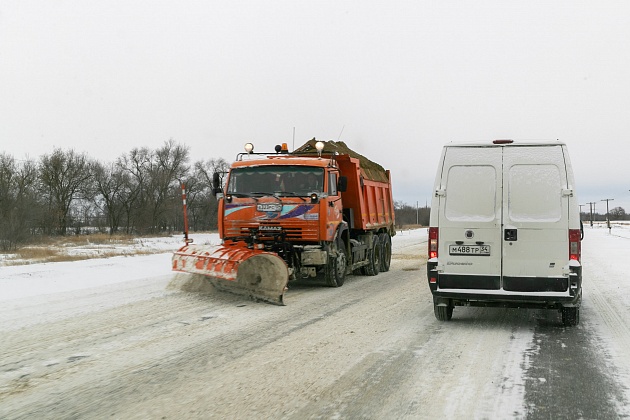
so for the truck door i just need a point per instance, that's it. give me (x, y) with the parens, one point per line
(470, 213)
(535, 218)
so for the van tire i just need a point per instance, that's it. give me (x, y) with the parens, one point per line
(386, 251)
(443, 313)
(374, 258)
(570, 316)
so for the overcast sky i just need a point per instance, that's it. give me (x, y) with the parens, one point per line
(395, 80)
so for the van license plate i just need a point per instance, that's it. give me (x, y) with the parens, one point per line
(469, 249)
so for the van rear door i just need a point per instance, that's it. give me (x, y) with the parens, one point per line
(535, 218)
(470, 214)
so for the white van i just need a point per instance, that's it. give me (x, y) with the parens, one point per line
(505, 229)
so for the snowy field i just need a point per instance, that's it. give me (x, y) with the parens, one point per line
(29, 280)
(47, 278)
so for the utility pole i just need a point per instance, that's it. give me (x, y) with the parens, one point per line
(592, 206)
(581, 205)
(417, 215)
(607, 216)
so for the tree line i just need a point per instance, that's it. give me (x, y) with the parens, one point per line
(618, 213)
(407, 215)
(138, 193)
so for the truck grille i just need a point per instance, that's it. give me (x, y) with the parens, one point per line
(293, 233)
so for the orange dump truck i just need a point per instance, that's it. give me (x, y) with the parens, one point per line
(319, 212)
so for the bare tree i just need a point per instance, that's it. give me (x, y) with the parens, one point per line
(18, 200)
(112, 187)
(208, 168)
(136, 165)
(151, 186)
(618, 213)
(204, 207)
(409, 215)
(63, 176)
(166, 170)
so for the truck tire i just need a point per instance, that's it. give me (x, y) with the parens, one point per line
(374, 258)
(443, 313)
(386, 251)
(570, 316)
(337, 264)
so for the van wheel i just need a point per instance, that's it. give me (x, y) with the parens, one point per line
(374, 257)
(443, 313)
(386, 251)
(570, 316)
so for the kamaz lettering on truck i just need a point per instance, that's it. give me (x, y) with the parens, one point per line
(322, 211)
(505, 229)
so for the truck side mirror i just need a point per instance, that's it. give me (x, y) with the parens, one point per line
(216, 182)
(342, 184)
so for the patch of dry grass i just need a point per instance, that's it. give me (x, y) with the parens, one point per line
(34, 255)
(60, 249)
(94, 239)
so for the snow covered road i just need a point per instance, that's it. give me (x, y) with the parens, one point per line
(108, 338)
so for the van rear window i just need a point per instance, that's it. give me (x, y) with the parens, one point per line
(535, 193)
(471, 193)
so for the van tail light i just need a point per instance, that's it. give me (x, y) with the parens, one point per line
(575, 248)
(433, 242)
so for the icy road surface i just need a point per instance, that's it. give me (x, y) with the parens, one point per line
(108, 339)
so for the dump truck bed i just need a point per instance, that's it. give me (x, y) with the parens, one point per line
(368, 203)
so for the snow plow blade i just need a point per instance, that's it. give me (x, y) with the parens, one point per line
(257, 274)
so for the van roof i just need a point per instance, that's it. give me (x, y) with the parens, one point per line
(513, 144)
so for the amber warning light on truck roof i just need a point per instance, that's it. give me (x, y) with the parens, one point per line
(282, 148)
(504, 141)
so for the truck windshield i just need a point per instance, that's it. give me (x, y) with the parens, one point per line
(278, 180)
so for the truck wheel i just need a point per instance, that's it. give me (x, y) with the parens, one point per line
(570, 316)
(386, 251)
(336, 268)
(443, 313)
(374, 257)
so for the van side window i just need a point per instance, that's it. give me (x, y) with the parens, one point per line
(535, 193)
(471, 193)
(332, 183)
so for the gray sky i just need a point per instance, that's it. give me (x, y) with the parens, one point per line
(396, 79)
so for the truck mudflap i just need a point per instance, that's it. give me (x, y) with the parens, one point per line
(254, 273)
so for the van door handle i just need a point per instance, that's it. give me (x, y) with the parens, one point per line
(510, 235)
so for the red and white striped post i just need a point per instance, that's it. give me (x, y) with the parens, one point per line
(186, 240)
